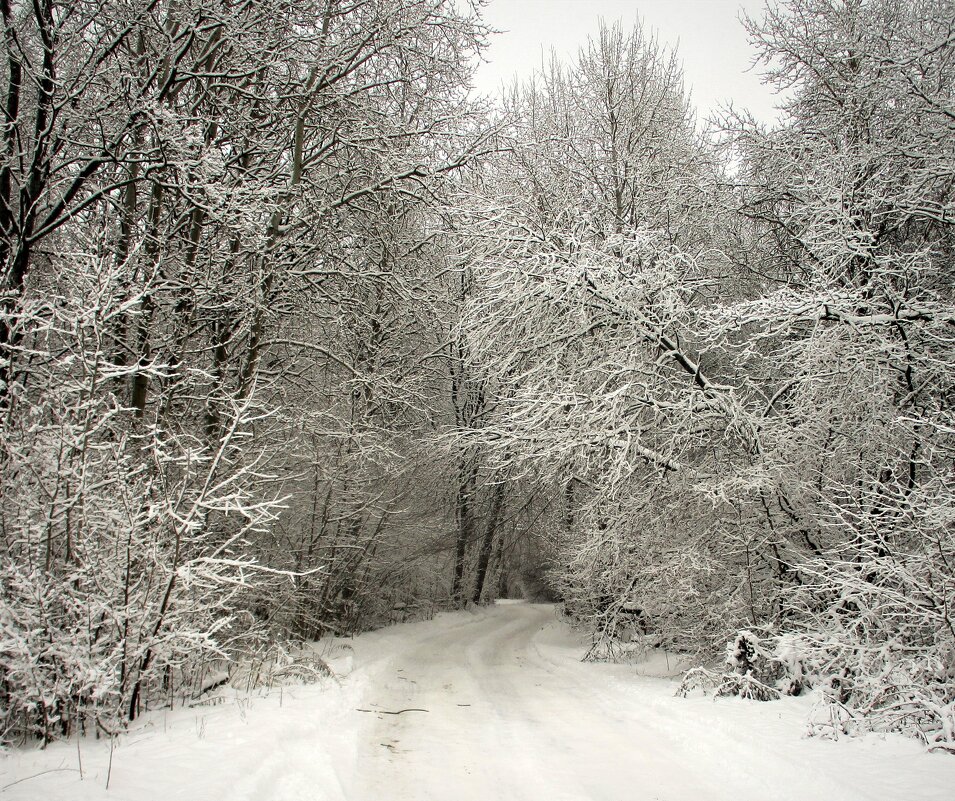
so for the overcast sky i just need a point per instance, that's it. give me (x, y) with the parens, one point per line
(712, 42)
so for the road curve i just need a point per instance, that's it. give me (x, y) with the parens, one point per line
(507, 718)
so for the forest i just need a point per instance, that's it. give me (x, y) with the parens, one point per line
(300, 335)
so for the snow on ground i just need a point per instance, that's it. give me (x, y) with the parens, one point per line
(509, 713)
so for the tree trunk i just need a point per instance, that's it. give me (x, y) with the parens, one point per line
(466, 526)
(490, 528)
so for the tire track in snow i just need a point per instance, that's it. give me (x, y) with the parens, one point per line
(533, 728)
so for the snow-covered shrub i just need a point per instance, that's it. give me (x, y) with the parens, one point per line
(121, 572)
(761, 668)
(875, 628)
(752, 663)
(791, 660)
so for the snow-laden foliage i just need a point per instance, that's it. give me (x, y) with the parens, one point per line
(217, 310)
(296, 337)
(123, 563)
(851, 357)
(737, 383)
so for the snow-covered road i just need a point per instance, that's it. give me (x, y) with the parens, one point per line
(507, 720)
(512, 714)
(509, 712)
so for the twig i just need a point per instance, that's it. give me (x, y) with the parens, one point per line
(79, 755)
(387, 712)
(109, 768)
(35, 775)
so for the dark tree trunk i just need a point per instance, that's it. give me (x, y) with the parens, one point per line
(466, 527)
(487, 543)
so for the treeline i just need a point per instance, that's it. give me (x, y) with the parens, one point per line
(224, 332)
(298, 336)
(731, 357)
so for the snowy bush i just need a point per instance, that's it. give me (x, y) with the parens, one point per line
(760, 668)
(875, 630)
(121, 573)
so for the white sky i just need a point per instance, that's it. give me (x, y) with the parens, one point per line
(711, 41)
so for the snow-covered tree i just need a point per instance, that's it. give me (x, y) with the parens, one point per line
(846, 352)
(212, 230)
(583, 323)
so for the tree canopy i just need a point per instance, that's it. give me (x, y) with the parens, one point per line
(299, 335)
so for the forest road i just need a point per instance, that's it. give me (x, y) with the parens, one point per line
(511, 713)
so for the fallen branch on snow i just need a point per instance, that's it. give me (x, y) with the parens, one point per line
(387, 712)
